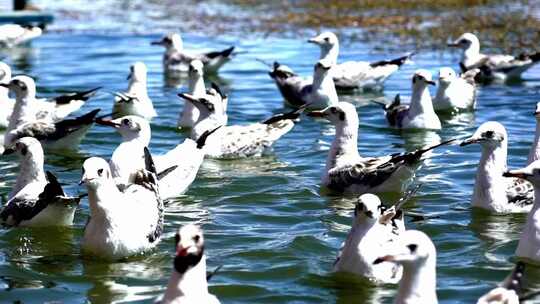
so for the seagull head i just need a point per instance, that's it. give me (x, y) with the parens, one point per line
(171, 40)
(130, 127)
(446, 75)
(340, 115)
(368, 208)
(466, 41)
(189, 247)
(412, 250)
(537, 111)
(530, 173)
(23, 86)
(490, 134)
(195, 69)
(27, 148)
(422, 78)
(5, 73)
(137, 72)
(213, 103)
(95, 172)
(325, 40)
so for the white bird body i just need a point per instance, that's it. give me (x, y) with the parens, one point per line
(492, 191)
(135, 101)
(317, 92)
(121, 224)
(534, 152)
(498, 67)
(36, 199)
(347, 172)
(14, 34)
(190, 114)
(128, 158)
(176, 59)
(455, 92)
(420, 114)
(370, 235)
(355, 74)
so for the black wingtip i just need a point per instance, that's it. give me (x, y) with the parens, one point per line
(201, 141)
(285, 116)
(514, 281)
(149, 161)
(216, 87)
(397, 61)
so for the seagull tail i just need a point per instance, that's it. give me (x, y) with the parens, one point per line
(225, 53)
(284, 116)
(82, 95)
(388, 107)
(413, 157)
(201, 141)
(52, 189)
(398, 61)
(216, 87)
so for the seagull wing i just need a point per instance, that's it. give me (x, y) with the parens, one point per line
(520, 192)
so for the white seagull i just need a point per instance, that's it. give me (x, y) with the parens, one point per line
(375, 227)
(455, 92)
(508, 291)
(65, 134)
(415, 252)
(14, 34)
(121, 224)
(346, 171)
(196, 87)
(420, 113)
(492, 191)
(53, 109)
(529, 242)
(492, 67)
(176, 169)
(176, 59)
(534, 152)
(188, 282)
(238, 141)
(317, 92)
(135, 100)
(37, 199)
(355, 74)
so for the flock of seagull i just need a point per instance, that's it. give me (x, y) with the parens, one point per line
(378, 246)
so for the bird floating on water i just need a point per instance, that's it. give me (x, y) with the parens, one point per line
(455, 92)
(13, 34)
(135, 100)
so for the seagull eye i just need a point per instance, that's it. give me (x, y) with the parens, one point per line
(326, 39)
(489, 134)
(100, 172)
(333, 110)
(412, 247)
(125, 121)
(197, 238)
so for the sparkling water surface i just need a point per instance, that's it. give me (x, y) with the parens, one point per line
(264, 218)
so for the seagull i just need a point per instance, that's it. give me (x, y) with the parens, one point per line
(65, 134)
(37, 199)
(455, 92)
(534, 153)
(318, 92)
(374, 228)
(508, 292)
(14, 34)
(415, 252)
(529, 242)
(355, 74)
(135, 101)
(492, 67)
(121, 224)
(238, 141)
(492, 191)
(53, 109)
(176, 169)
(188, 282)
(190, 113)
(420, 113)
(347, 172)
(176, 59)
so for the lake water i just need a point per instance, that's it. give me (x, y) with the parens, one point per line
(264, 218)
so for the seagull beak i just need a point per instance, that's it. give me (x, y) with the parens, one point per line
(5, 85)
(536, 113)
(520, 173)
(188, 97)
(320, 114)
(129, 76)
(430, 82)
(453, 44)
(109, 123)
(386, 258)
(313, 40)
(471, 140)
(160, 42)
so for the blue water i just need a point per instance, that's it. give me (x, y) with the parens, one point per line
(264, 218)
